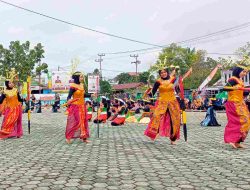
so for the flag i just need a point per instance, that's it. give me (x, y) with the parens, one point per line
(209, 78)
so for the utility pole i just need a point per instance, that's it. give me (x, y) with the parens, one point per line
(136, 62)
(39, 79)
(100, 62)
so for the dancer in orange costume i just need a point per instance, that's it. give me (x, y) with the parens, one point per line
(77, 123)
(166, 103)
(238, 116)
(12, 121)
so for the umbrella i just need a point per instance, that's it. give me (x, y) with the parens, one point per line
(184, 116)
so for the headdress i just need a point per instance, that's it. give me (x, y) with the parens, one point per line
(11, 75)
(163, 65)
(74, 63)
(245, 63)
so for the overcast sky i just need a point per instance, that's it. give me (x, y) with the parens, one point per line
(154, 21)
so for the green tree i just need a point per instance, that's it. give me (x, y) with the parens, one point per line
(186, 58)
(123, 78)
(105, 87)
(201, 69)
(24, 59)
(243, 51)
(177, 56)
(145, 77)
(96, 72)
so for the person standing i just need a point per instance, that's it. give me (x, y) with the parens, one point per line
(77, 123)
(166, 104)
(12, 121)
(56, 105)
(33, 101)
(237, 112)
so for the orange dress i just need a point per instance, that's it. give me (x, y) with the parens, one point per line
(77, 123)
(12, 121)
(238, 115)
(166, 105)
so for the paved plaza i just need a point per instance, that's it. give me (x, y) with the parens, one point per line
(122, 158)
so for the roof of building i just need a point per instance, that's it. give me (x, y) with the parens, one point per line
(133, 73)
(127, 86)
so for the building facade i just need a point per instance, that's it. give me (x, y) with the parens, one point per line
(226, 74)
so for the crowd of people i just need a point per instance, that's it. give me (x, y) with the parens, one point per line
(162, 115)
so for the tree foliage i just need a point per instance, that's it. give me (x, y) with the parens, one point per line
(105, 87)
(23, 58)
(243, 51)
(123, 78)
(186, 58)
(145, 77)
(96, 72)
(177, 56)
(201, 70)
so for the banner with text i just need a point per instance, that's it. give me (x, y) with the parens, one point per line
(93, 84)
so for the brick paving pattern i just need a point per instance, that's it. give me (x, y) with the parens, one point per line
(122, 158)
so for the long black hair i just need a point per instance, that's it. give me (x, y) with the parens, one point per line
(76, 77)
(168, 77)
(237, 71)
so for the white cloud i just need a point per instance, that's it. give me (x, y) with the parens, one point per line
(50, 27)
(180, 1)
(15, 30)
(153, 16)
(110, 17)
(101, 38)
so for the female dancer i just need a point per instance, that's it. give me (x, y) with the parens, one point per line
(146, 114)
(89, 109)
(237, 112)
(166, 102)
(210, 119)
(102, 112)
(130, 116)
(120, 119)
(77, 123)
(12, 121)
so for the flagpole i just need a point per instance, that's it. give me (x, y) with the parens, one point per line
(98, 106)
(28, 99)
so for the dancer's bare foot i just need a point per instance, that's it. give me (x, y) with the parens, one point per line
(240, 145)
(68, 141)
(173, 143)
(233, 145)
(86, 141)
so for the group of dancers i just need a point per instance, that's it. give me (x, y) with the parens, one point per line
(163, 115)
